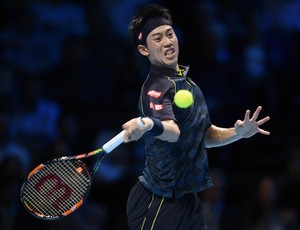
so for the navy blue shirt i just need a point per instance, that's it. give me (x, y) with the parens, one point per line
(175, 169)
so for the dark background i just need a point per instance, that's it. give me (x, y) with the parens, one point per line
(70, 77)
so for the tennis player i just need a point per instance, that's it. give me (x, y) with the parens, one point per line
(176, 167)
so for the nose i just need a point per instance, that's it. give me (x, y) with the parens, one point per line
(167, 41)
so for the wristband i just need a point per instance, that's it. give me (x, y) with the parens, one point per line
(157, 127)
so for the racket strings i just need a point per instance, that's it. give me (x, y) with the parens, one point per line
(56, 188)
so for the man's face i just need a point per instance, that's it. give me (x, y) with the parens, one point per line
(162, 47)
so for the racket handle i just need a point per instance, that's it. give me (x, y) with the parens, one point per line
(114, 142)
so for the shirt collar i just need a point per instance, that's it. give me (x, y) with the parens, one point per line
(168, 72)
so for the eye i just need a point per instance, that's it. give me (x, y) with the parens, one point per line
(157, 38)
(170, 34)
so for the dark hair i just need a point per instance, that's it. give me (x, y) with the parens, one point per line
(146, 13)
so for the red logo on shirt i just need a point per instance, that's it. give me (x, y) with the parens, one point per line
(154, 94)
(155, 106)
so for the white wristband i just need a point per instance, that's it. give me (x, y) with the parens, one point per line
(141, 124)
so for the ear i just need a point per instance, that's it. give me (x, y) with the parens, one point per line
(143, 50)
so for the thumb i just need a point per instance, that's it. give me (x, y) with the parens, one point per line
(238, 123)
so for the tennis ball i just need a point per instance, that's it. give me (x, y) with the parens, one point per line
(183, 98)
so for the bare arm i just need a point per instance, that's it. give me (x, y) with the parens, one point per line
(217, 136)
(134, 132)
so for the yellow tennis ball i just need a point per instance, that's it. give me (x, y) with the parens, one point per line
(183, 98)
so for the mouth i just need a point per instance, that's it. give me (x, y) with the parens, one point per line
(169, 53)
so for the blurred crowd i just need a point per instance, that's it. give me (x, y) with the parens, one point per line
(70, 76)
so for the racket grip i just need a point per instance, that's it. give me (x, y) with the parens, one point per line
(114, 142)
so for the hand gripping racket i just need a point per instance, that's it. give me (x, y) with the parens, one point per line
(60, 186)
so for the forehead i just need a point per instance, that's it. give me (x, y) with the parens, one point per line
(160, 29)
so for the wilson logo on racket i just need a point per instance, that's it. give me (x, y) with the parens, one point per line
(60, 186)
(65, 190)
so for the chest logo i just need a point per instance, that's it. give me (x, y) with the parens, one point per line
(155, 106)
(154, 94)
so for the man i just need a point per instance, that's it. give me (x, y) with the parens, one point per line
(176, 167)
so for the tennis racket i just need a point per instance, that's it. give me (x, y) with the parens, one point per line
(57, 188)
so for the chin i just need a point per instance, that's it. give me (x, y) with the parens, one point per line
(172, 65)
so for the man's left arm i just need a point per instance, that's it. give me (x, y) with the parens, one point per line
(217, 136)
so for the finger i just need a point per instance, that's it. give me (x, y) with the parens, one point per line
(262, 121)
(128, 123)
(264, 132)
(247, 115)
(256, 113)
(126, 139)
(125, 125)
(128, 136)
(238, 123)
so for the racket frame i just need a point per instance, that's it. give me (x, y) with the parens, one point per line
(104, 150)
